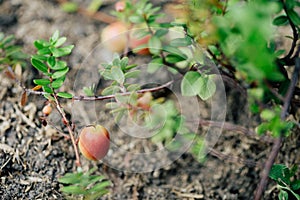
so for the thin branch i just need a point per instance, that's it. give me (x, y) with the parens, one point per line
(277, 144)
(233, 159)
(68, 125)
(97, 98)
(233, 127)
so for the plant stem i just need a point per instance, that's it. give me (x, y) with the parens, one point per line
(67, 123)
(96, 98)
(277, 144)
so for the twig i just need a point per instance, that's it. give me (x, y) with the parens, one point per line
(233, 127)
(68, 125)
(96, 98)
(277, 144)
(232, 159)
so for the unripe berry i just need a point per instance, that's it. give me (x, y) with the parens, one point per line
(94, 142)
(47, 110)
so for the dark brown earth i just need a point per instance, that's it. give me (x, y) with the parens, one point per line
(32, 157)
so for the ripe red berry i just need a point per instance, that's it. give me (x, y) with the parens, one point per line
(114, 36)
(94, 142)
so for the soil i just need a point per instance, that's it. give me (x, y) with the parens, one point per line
(33, 157)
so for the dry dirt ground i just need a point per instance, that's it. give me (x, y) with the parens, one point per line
(32, 157)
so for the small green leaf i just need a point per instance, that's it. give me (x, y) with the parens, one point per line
(63, 51)
(280, 173)
(65, 95)
(295, 185)
(44, 51)
(70, 178)
(51, 61)
(280, 20)
(136, 19)
(39, 65)
(172, 58)
(41, 82)
(117, 74)
(190, 84)
(132, 74)
(59, 65)
(69, 7)
(99, 186)
(60, 42)
(161, 32)
(60, 73)
(294, 17)
(58, 83)
(40, 44)
(47, 89)
(155, 45)
(155, 64)
(207, 88)
(40, 57)
(54, 37)
(181, 42)
(133, 87)
(110, 90)
(73, 189)
(283, 195)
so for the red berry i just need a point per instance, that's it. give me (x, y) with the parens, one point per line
(114, 36)
(120, 6)
(94, 142)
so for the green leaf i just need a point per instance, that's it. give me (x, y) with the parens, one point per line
(51, 61)
(41, 82)
(47, 89)
(54, 37)
(59, 65)
(136, 19)
(294, 17)
(63, 51)
(181, 42)
(110, 90)
(280, 20)
(60, 73)
(117, 74)
(207, 88)
(65, 95)
(155, 64)
(60, 41)
(39, 65)
(133, 87)
(44, 51)
(40, 44)
(280, 173)
(57, 83)
(155, 45)
(69, 7)
(190, 83)
(70, 178)
(40, 57)
(172, 58)
(73, 189)
(100, 186)
(161, 32)
(283, 195)
(295, 185)
(132, 74)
